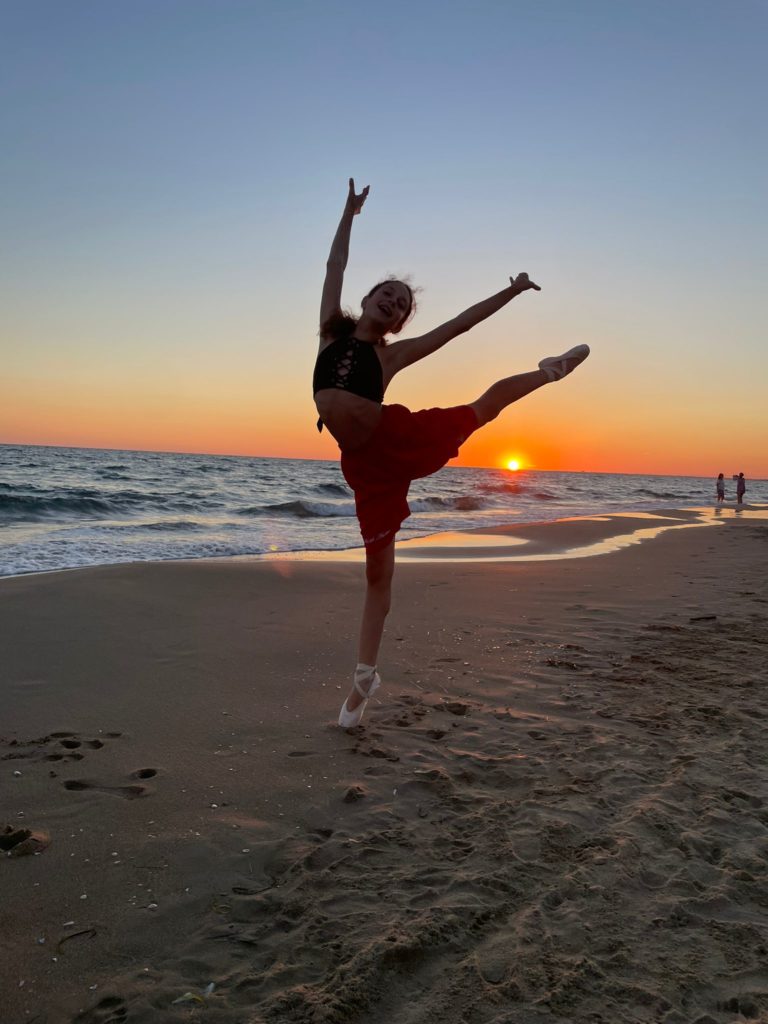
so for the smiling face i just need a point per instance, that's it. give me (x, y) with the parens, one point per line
(388, 306)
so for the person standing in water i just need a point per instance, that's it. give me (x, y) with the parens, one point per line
(741, 486)
(720, 487)
(385, 447)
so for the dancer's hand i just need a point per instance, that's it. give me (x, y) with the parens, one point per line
(522, 283)
(355, 202)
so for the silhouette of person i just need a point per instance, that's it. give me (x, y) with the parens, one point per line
(741, 486)
(720, 487)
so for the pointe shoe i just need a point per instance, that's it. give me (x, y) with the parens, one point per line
(557, 367)
(349, 719)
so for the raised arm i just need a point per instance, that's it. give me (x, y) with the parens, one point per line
(330, 302)
(403, 353)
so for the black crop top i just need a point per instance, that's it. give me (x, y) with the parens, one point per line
(350, 365)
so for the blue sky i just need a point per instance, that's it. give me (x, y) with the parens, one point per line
(172, 173)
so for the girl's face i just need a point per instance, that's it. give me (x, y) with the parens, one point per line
(388, 306)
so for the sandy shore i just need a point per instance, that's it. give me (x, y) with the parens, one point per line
(556, 811)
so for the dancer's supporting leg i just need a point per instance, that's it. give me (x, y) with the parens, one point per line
(379, 567)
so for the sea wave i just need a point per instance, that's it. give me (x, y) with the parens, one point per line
(36, 505)
(302, 509)
(31, 508)
(664, 495)
(462, 503)
(503, 487)
(333, 489)
(186, 526)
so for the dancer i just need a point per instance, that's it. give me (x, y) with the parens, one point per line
(385, 447)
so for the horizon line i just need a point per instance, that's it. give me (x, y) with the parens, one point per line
(300, 458)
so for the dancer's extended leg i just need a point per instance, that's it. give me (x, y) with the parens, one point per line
(510, 389)
(379, 567)
(505, 392)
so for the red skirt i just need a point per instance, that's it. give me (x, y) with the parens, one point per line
(404, 446)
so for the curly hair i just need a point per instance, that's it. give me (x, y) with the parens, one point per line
(342, 323)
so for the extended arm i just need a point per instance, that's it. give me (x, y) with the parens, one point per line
(330, 302)
(403, 353)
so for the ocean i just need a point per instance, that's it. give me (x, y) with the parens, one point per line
(62, 508)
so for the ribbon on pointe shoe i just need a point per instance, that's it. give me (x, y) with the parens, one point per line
(349, 719)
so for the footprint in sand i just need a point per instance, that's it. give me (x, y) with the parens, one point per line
(18, 842)
(409, 712)
(55, 746)
(368, 750)
(456, 707)
(355, 793)
(745, 1005)
(109, 1010)
(127, 792)
(131, 792)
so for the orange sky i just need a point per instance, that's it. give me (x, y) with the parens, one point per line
(546, 431)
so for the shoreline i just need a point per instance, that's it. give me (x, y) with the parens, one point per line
(552, 808)
(569, 537)
(470, 544)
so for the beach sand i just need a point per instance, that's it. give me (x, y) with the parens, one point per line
(555, 809)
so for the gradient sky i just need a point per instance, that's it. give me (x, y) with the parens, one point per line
(172, 173)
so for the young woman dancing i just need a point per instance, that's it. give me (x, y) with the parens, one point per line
(385, 447)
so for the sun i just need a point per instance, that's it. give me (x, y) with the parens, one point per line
(513, 462)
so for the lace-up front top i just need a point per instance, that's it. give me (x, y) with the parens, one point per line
(350, 365)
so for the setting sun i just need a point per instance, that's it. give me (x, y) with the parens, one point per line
(514, 465)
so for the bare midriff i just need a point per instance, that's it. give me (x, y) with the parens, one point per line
(350, 418)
